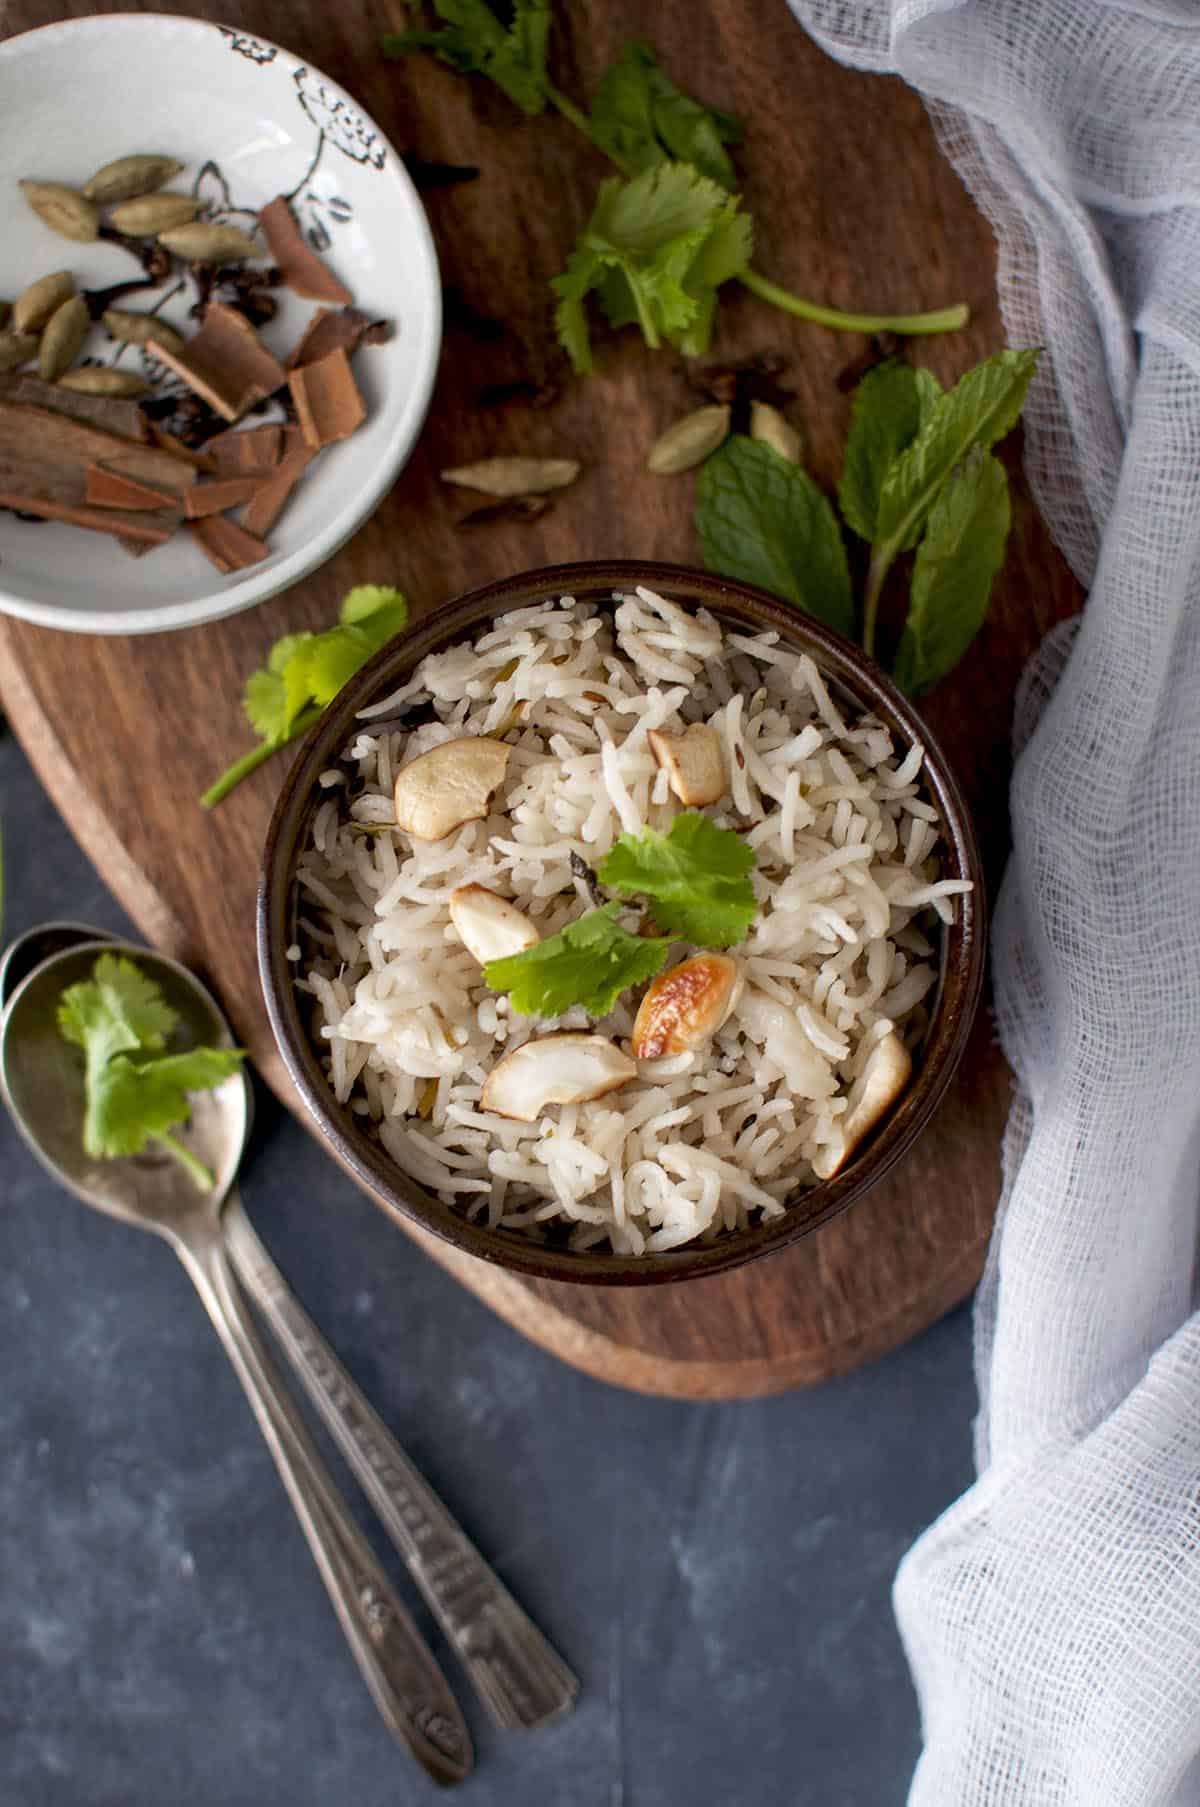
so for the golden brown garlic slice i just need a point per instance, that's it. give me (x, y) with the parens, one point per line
(440, 790)
(874, 1092)
(686, 1005)
(693, 763)
(490, 927)
(554, 1069)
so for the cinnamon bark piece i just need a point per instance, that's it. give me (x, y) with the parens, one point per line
(123, 523)
(328, 404)
(265, 508)
(225, 363)
(199, 461)
(34, 438)
(302, 269)
(247, 451)
(228, 546)
(112, 413)
(332, 328)
(216, 498)
(112, 489)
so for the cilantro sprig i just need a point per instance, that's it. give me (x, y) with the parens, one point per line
(136, 1092)
(918, 472)
(590, 962)
(696, 878)
(303, 674)
(655, 251)
(664, 280)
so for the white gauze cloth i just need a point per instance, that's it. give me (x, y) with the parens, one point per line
(1052, 1615)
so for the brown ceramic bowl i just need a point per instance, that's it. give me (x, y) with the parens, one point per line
(858, 679)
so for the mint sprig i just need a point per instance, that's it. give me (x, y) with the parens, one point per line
(918, 471)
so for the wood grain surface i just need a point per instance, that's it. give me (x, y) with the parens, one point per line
(853, 205)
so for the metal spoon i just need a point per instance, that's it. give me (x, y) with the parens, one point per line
(520, 1677)
(42, 1083)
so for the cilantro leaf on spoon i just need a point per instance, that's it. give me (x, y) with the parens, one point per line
(136, 1092)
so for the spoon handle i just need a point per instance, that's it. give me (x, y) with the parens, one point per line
(521, 1678)
(405, 1681)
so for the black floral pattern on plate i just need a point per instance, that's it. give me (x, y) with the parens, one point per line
(248, 47)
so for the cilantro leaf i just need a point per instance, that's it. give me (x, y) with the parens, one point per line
(696, 876)
(117, 1009)
(886, 417)
(958, 557)
(590, 962)
(980, 409)
(762, 519)
(475, 41)
(655, 249)
(134, 1091)
(304, 672)
(129, 1102)
(640, 119)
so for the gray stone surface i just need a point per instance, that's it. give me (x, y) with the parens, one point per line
(719, 1575)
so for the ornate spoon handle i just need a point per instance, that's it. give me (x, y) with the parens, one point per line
(521, 1678)
(408, 1687)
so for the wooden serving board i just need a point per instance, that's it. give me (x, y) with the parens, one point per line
(854, 205)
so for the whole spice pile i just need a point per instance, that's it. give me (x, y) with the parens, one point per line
(138, 455)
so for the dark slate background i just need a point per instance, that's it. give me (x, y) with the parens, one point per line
(718, 1574)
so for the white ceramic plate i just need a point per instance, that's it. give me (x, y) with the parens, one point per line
(76, 95)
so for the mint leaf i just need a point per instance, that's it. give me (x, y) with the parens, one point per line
(886, 417)
(697, 877)
(763, 520)
(962, 549)
(590, 962)
(476, 42)
(655, 250)
(981, 408)
(640, 119)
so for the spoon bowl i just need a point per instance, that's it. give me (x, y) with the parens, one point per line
(41, 1076)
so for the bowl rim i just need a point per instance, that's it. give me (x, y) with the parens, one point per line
(218, 605)
(964, 942)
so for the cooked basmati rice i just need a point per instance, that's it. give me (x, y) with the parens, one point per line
(844, 947)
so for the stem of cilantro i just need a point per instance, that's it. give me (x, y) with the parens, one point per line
(576, 115)
(195, 1168)
(942, 320)
(250, 762)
